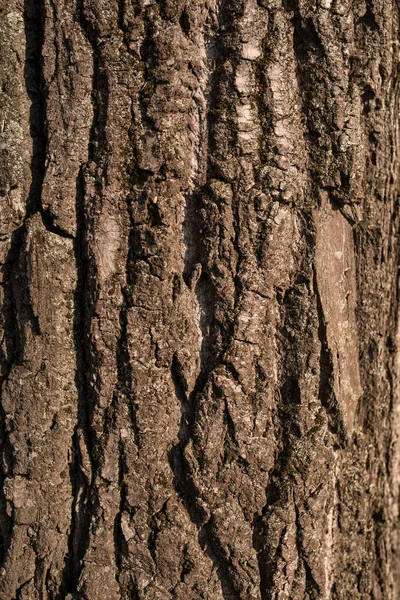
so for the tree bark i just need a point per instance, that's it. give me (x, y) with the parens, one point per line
(199, 299)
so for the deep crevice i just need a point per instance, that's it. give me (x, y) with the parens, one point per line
(8, 358)
(312, 587)
(277, 494)
(326, 392)
(201, 277)
(120, 545)
(81, 507)
(292, 334)
(34, 14)
(85, 499)
(49, 221)
(210, 544)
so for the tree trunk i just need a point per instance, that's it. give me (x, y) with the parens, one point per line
(199, 299)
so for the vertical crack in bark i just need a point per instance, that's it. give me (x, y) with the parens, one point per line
(289, 465)
(211, 545)
(326, 392)
(124, 392)
(34, 16)
(33, 26)
(8, 359)
(277, 495)
(310, 57)
(209, 353)
(186, 402)
(148, 56)
(79, 477)
(120, 546)
(98, 144)
(84, 492)
(312, 587)
(124, 367)
(199, 274)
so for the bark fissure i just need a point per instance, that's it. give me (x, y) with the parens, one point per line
(34, 32)
(8, 359)
(326, 386)
(34, 17)
(84, 491)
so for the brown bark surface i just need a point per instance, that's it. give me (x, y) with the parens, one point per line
(199, 218)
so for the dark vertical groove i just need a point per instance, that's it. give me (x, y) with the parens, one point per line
(277, 495)
(182, 396)
(291, 340)
(85, 500)
(210, 354)
(124, 392)
(213, 548)
(326, 392)
(34, 15)
(312, 587)
(97, 153)
(98, 145)
(124, 367)
(148, 57)
(120, 545)
(7, 360)
(80, 511)
(14, 284)
(198, 275)
(263, 100)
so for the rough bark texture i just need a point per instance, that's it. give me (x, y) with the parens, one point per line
(199, 299)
